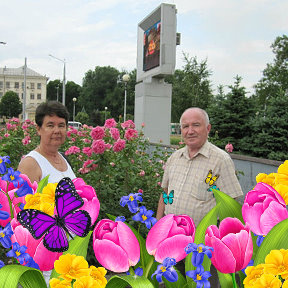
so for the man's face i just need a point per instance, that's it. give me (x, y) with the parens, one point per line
(194, 129)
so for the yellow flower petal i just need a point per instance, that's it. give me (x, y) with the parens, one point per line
(86, 282)
(268, 280)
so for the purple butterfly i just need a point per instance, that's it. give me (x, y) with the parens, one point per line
(68, 219)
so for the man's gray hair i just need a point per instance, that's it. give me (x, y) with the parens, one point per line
(200, 110)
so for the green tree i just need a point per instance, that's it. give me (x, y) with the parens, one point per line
(98, 85)
(191, 87)
(10, 105)
(230, 117)
(72, 90)
(275, 76)
(270, 131)
(82, 117)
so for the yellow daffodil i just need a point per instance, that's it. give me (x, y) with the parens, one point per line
(268, 179)
(48, 193)
(268, 281)
(71, 267)
(99, 275)
(253, 274)
(86, 282)
(33, 201)
(57, 283)
(283, 191)
(277, 263)
(46, 208)
(285, 284)
(283, 168)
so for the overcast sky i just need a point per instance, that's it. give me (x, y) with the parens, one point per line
(233, 35)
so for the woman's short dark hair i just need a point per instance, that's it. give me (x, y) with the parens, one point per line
(51, 108)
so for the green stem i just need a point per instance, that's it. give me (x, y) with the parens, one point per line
(148, 267)
(234, 281)
(9, 201)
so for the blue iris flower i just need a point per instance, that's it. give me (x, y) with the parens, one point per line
(166, 270)
(120, 218)
(3, 161)
(199, 251)
(251, 263)
(1, 264)
(13, 176)
(145, 216)
(24, 189)
(200, 277)
(260, 239)
(131, 201)
(3, 214)
(31, 263)
(18, 252)
(5, 236)
(138, 272)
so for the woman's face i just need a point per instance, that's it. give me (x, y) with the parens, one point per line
(53, 131)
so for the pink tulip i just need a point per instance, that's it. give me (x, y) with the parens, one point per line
(263, 208)
(115, 245)
(88, 194)
(35, 248)
(232, 244)
(169, 236)
(15, 200)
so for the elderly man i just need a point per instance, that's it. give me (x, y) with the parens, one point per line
(191, 172)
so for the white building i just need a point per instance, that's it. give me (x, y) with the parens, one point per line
(12, 79)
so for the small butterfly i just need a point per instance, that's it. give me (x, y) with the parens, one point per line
(168, 199)
(212, 187)
(210, 180)
(68, 219)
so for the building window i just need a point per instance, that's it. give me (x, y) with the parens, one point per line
(16, 85)
(8, 85)
(38, 85)
(22, 85)
(38, 96)
(22, 96)
(1, 94)
(32, 85)
(1, 84)
(32, 96)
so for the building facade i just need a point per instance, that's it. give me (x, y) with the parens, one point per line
(12, 79)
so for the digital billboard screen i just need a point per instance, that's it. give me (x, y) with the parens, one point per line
(151, 47)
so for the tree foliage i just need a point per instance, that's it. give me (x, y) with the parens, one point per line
(191, 86)
(10, 105)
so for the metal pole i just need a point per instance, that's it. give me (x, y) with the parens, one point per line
(24, 92)
(57, 93)
(73, 111)
(125, 101)
(64, 80)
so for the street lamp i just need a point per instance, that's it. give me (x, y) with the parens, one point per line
(125, 79)
(74, 101)
(57, 92)
(64, 76)
(105, 112)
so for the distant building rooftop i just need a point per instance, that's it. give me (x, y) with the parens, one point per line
(19, 72)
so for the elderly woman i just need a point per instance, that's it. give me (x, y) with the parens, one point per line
(51, 119)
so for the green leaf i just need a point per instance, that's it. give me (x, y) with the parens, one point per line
(229, 206)
(11, 275)
(126, 280)
(276, 239)
(77, 246)
(225, 280)
(209, 219)
(42, 184)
